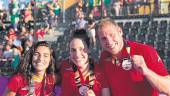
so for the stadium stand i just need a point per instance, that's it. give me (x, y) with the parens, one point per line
(154, 32)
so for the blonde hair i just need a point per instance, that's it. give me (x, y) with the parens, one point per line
(105, 22)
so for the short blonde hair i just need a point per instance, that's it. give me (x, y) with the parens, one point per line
(105, 22)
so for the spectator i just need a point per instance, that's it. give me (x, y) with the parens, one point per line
(8, 55)
(156, 7)
(117, 7)
(96, 12)
(26, 45)
(40, 34)
(56, 10)
(16, 59)
(16, 42)
(91, 30)
(11, 34)
(81, 22)
(8, 52)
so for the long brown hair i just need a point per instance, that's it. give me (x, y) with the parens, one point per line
(26, 67)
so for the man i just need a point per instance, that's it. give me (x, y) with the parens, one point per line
(132, 69)
(117, 6)
(80, 22)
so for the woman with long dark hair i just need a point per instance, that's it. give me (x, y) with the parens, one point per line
(36, 74)
(81, 76)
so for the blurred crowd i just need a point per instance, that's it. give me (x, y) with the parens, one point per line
(124, 7)
(18, 28)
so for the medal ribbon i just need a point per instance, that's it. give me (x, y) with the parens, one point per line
(127, 62)
(81, 77)
(127, 47)
(32, 87)
(117, 62)
(79, 80)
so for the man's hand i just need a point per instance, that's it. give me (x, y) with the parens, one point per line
(139, 64)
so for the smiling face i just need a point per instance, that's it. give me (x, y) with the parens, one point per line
(78, 52)
(41, 58)
(111, 38)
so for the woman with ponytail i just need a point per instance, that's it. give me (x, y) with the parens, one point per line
(81, 76)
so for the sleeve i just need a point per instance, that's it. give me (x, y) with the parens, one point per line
(154, 62)
(101, 77)
(64, 64)
(104, 76)
(13, 83)
(104, 82)
(66, 88)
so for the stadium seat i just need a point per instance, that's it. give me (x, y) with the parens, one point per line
(141, 35)
(141, 38)
(145, 24)
(136, 25)
(160, 45)
(163, 24)
(161, 37)
(168, 48)
(168, 35)
(128, 25)
(167, 62)
(120, 24)
(133, 34)
(154, 24)
(151, 39)
(126, 32)
(152, 31)
(161, 53)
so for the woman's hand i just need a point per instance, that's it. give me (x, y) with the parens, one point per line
(90, 93)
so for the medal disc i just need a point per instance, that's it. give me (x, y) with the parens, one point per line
(83, 90)
(127, 64)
